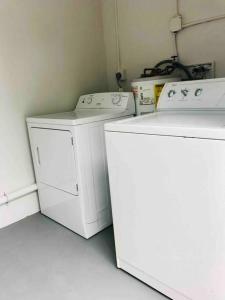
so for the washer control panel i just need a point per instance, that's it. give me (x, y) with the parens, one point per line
(196, 94)
(117, 100)
(184, 93)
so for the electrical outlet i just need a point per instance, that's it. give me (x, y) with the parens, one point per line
(202, 70)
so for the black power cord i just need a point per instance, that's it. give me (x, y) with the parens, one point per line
(118, 79)
(166, 67)
(176, 65)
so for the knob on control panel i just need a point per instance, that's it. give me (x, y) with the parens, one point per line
(184, 92)
(171, 93)
(116, 99)
(89, 99)
(198, 92)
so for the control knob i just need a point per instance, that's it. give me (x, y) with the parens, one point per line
(171, 93)
(198, 92)
(184, 92)
(116, 99)
(89, 99)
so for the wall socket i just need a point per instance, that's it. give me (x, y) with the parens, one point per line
(202, 70)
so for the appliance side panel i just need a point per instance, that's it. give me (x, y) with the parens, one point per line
(93, 170)
(98, 160)
(85, 173)
(168, 210)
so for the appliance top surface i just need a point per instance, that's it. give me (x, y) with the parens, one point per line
(187, 108)
(77, 117)
(91, 108)
(201, 124)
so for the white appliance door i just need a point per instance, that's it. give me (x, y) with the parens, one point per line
(54, 158)
(168, 203)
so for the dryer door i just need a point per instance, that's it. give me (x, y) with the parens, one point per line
(54, 158)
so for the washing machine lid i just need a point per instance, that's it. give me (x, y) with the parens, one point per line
(196, 124)
(78, 117)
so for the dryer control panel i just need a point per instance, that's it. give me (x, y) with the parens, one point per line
(193, 95)
(117, 100)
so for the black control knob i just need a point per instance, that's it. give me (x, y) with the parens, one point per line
(184, 92)
(171, 93)
(198, 92)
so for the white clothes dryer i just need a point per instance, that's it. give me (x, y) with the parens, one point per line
(69, 159)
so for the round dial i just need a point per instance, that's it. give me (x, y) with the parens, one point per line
(116, 99)
(198, 92)
(89, 99)
(171, 93)
(184, 92)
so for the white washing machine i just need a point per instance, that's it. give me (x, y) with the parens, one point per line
(167, 182)
(69, 159)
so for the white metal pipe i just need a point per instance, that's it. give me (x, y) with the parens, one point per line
(178, 7)
(17, 194)
(202, 21)
(118, 54)
(3, 200)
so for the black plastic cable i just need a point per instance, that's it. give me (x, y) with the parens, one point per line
(176, 64)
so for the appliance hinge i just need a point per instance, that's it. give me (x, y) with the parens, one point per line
(72, 140)
(77, 188)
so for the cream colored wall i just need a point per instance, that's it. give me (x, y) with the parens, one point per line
(203, 42)
(51, 52)
(145, 38)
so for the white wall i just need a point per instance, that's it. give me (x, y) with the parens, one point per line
(51, 52)
(145, 38)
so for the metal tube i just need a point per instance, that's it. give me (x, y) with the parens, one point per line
(206, 20)
(17, 194)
